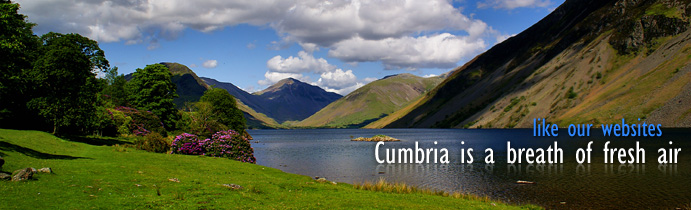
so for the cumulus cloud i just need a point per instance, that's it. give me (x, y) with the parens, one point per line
(430, 75)
(313, 24)
(210, 64)
(271, 78)
(304, 62)
(513, 4)
(435, 51)
(337, 79)
(331, 78)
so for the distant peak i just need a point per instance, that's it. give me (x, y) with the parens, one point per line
(287, 81)
(400, 75)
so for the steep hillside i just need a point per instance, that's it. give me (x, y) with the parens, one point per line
(252, 101)
(372, 101)
(587, 62)
(292, 100)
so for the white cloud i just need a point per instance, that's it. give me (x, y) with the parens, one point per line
(304, 62)
(330, 78)
(346, 90)
(193, 65)
(310, 23)
(273, 77)
(435, 51)
(210, 64)
(513, 4)
(430, 75)
(501, 38)
(344, 27)
(337, 79)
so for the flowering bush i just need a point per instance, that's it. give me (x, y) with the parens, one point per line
(227, 144)
(186, 144)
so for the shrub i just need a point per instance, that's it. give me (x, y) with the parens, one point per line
(133, 121)
(571, 94)
(227, 144)
(152, 142)
(186, 144)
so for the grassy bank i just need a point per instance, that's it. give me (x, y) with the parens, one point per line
(99, 175)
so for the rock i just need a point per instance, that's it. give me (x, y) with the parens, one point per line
(5, 176)
(22, 174)
(174, 180)
(34, 170)
(2, 162)
(524, 182)
(233, 186)
(322, 180)
(45, 170)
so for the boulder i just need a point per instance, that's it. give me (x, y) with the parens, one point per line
(5, 176)
(45, 170)
(22, 174)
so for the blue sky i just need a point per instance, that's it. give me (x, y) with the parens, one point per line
(337, 45)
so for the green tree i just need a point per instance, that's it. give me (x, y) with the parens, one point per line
(225, 108)
(151, 89)
(64, 82)
(18, 48)
(114, 91)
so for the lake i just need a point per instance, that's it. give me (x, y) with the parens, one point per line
(329, 153)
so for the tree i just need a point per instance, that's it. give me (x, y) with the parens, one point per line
(114, 91)
(151, 89)
(225, 108)
(18, 48)
(63, 80)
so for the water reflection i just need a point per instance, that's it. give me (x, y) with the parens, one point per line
(594, 185)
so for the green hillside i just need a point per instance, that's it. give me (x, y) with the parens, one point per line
(372, 101)
(94, 175)
(587, 62)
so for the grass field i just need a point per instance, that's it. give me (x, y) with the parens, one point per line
(94, 173)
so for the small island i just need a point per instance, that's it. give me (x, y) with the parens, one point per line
(376, 138)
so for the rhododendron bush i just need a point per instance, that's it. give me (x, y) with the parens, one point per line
(227, 144)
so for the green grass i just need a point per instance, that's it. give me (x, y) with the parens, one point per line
(115, 177)
(661, 9)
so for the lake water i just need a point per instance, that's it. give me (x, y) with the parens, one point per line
(329, 153)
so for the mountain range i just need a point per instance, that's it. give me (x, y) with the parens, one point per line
(589, 61)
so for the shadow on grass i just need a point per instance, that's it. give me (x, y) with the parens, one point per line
(96, 141)
(4, 146)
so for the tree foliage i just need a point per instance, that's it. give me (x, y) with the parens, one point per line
(114, 92)
(63, 80)
(225, 108)
(151, 89)
(18, 48)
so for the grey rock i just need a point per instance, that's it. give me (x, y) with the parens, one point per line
(45, 170)
(22, 174)
(5, 176)
(233, 186)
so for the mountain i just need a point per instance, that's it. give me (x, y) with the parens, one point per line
(293, 100)
(589, 61)
(372, 101)
(189, 86)
(250, 104)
